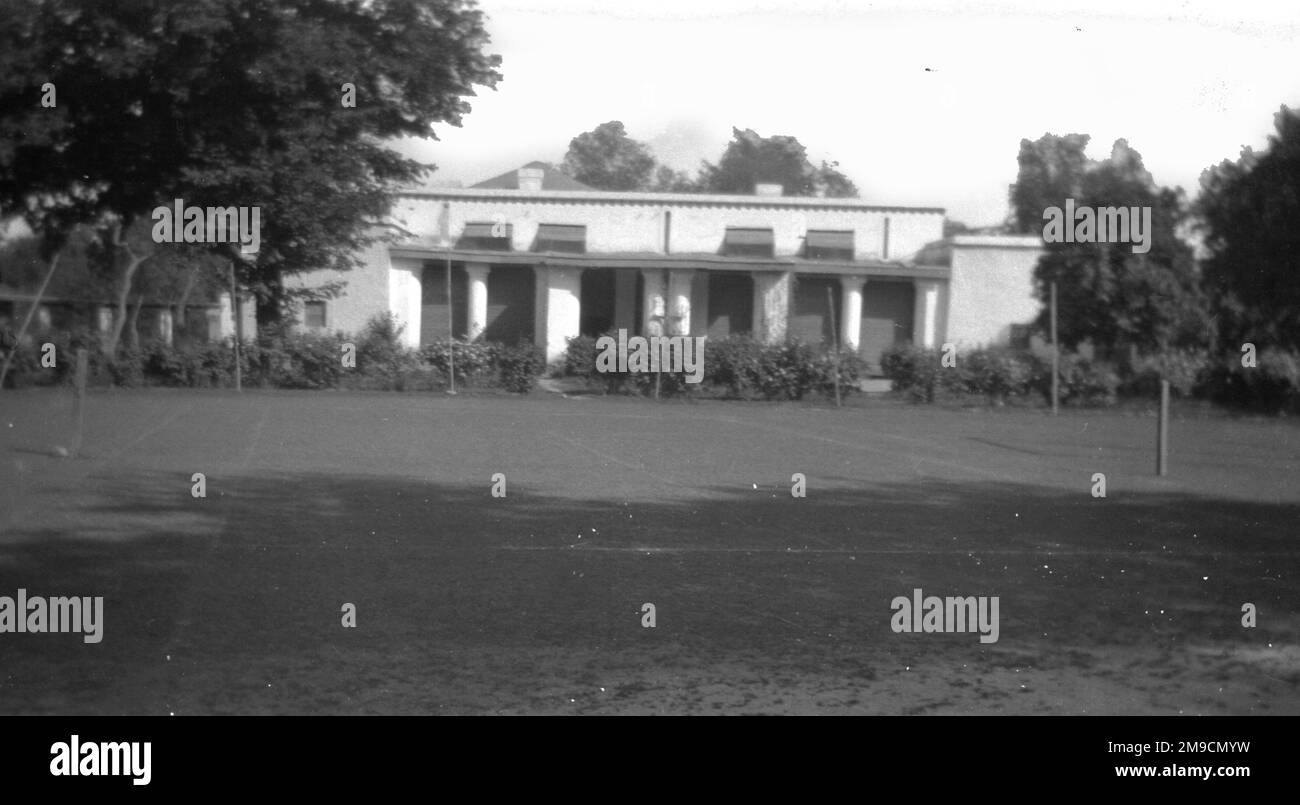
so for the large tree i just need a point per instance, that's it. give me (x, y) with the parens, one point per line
(670, 180)
(1249, 214)
(1050, 170)
(228, 103)
(1119, 301)
(607, 159)
(752, 159)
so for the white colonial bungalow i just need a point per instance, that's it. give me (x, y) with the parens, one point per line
(535, 255)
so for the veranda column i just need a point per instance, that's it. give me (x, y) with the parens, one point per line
(561, 291)
(680, 283)
(771, 304)
(405, 281)
(654, 303)
(478, 298)
(926, 313)
(851, 311)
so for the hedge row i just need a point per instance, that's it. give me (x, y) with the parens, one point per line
(297, 361)
(997, 374)
(736, 366)
(1272, 385)
(1001, 374)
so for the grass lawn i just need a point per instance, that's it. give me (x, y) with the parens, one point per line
(765, 603)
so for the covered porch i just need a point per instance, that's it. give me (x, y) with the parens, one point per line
(513, 297)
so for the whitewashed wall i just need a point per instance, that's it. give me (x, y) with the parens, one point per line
(991, 288)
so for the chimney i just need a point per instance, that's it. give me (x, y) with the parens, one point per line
(768, 190)
(530, 178)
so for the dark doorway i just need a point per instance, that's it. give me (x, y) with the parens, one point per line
(434, 310)
(811, 319)
(731, 303)
(887, 309)
(510, 304)
(597, 301)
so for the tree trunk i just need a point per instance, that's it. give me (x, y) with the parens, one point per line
(134, 332)
(180, 316)
(123, 295)
(270, 306)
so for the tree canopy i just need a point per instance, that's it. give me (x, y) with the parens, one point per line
(1108, 295)
(608, 159)
(752, 159)
(1050, 170)
(229, 103)
(1249, 215)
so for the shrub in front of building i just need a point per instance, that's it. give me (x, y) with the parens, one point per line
(296, 360)
(999, 375)
(518, 367)
(734, 367)
(1084, 382)
(1187, 370)
(188, 366)
(732, 364)
(1271, 386)
(126, 368)
(475, 361)
(307, 361)
(379, 348)
(787, 371)
(743, 367)
(26, 369)
(851, 367)
(384, 363)
(579, 361)
(913, 370)
(580, 357)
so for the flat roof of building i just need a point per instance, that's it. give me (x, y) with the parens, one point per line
(999, 241)
(676, 199)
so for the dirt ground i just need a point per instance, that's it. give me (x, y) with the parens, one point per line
(532, 603)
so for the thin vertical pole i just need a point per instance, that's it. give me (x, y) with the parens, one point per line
(237, 307)
(835, 342)
(27, 320)
(1056, 359)
(79, 401)
(662, 330)
(451, 330)
(661, 323)
(1162, 435)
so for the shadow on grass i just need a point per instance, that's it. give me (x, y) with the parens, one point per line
(254, 576)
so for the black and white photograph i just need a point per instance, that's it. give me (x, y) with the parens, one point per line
(684, 358)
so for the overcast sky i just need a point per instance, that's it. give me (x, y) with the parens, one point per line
(921, 102)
